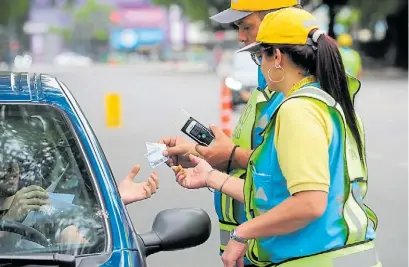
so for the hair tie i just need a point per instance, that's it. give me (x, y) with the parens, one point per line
(316, 35)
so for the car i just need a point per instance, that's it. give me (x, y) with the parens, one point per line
(239, 74)
(46, 141)
(72, 59)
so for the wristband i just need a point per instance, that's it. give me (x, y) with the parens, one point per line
(210, 172)
(221, 187)
(231, 158)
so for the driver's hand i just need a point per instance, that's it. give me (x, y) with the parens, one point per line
(25, 200)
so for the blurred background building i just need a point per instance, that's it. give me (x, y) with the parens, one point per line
(126, 31)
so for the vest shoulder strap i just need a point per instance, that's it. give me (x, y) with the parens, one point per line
(356, 168)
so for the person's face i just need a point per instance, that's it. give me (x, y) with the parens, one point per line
(248, 28)
(271, 67)
(9, 179)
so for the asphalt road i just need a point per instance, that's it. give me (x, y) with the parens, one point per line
(151, 104)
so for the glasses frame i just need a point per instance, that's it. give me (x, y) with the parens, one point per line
(255, 56)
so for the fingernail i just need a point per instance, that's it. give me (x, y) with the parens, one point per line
(165, 153)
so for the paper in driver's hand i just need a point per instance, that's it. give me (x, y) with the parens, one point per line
(57, 203)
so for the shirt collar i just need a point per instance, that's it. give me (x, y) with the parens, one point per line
(301, 83)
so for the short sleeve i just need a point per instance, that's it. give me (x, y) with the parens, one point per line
(302, 137)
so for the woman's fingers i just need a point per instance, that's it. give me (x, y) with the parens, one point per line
(148, 190)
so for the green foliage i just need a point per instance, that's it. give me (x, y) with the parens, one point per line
(64, 32)
(196, 9)
(90, 21)
(372, 11)
(12, 10)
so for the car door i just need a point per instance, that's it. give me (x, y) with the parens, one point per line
(47, 142)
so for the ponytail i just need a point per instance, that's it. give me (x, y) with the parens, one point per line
(330, 73)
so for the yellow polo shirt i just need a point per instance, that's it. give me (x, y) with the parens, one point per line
(303, 135)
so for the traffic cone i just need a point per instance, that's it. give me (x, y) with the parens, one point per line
(226, 110)
(112, 61)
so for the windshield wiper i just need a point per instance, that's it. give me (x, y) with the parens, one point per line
(62, 260)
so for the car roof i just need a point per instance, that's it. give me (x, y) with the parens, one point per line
(32, 87)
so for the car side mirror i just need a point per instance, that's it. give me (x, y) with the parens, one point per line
(176, 229)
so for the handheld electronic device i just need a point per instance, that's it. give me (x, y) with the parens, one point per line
(196, 130)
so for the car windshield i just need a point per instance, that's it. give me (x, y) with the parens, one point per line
(48, 200)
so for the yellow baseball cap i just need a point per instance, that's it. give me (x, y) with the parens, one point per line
(242, 8)
(285, 26)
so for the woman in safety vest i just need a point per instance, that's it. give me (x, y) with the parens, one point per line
(306, 182)
(350, 57)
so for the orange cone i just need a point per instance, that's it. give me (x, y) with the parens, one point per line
(226, 110)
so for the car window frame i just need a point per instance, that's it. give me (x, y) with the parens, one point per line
(94, 141)
(101, 159)
(95, 184)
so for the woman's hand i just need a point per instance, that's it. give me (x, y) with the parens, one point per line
(131, 192)
(178, 150)
(233, 254)
(193, 178)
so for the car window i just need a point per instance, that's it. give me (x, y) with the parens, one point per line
(39, 148)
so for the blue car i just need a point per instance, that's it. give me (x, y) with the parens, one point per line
(48, 147)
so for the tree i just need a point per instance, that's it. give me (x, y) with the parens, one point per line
(198, 10)
(90, 23)
(13, 10)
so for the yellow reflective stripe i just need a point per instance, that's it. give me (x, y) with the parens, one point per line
(225, 230)
(366, 258)
(362, 134)
(251, 251)
(356, 220)
(226, 205)
(364, 186)
(355, 215)
(361, 255)
(252, 254)
(354, 164)
(372, 216)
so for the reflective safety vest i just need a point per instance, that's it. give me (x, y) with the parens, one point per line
(340, 236)
(351, 60)
(230, 211)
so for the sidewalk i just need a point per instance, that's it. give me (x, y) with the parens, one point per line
(385, 73)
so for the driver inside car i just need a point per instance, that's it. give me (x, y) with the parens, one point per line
(26, 169)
